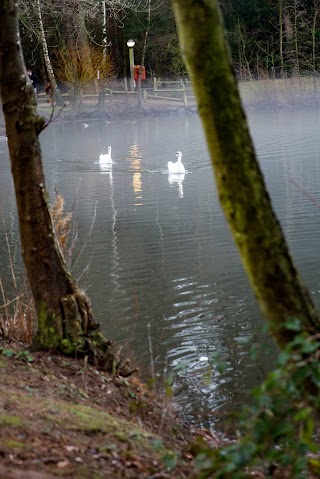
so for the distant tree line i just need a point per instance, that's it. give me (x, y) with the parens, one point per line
(273, 38)
(72, 39)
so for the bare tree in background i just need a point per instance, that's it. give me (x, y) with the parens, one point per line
(65, 23)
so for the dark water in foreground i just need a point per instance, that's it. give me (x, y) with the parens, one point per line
(155, 253)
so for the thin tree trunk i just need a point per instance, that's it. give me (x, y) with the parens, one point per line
(143, 54)
(313, 34)
(243, 195)
(296, 69)
(102, 86)
(65, 319)
(291, 53)
(314, 43)
(82, 43)
(56, 91)
(281, 38)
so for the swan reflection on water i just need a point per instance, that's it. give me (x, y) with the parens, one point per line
(177, 178)
(106, 169)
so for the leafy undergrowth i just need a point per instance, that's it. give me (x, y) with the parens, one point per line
(63, 418)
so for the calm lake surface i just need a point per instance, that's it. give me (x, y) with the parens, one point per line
(155, 253)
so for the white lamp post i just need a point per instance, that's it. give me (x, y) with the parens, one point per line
(131, 44)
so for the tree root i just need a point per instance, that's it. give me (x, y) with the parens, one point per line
(102, 353)
(82, 336)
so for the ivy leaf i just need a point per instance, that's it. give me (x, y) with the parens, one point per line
(293, 324)
(283, 358)
(8, 353)
(309, 347)
(169, 460)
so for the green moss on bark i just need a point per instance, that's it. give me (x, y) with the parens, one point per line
(49, 333)
(242, 192)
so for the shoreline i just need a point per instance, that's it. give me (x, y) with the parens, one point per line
(118, 109)
(265, 94)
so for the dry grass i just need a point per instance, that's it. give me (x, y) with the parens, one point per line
(17, 312)
(281, 93)
(62, 225)
(18, 319)
(17, 315)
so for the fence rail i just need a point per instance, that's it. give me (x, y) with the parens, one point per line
(161, 90)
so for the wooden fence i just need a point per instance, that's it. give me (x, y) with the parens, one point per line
(173, 90)
(176, 90)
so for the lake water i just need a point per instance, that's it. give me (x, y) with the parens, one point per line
(156, 255)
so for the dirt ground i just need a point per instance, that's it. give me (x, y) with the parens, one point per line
(61, 417)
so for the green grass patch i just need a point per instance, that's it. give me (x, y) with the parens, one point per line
(13, 421)
(15, 444)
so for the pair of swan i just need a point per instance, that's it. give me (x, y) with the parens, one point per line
(105, 159)
(177, 167)
(174, 168)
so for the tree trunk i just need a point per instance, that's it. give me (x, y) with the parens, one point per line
(101, 100)
(75, 97)
(52, 286)
(65, 319)
(143, 54)
(281, 38)
(243, 195)
(290, 35)
(314, 44)
(56, 92)
(296, 68)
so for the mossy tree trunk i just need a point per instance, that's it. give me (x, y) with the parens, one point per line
(242, 192)
(65, 320)
(52, 286)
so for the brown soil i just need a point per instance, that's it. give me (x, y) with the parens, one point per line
(61, 417)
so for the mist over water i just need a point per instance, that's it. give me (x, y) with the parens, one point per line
(155, 253)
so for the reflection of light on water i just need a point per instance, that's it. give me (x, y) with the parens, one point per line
(137, 183)
(177, 178)
(135, 163)
(104, 169)
(115, 257)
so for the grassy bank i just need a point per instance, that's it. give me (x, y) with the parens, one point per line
(63, 418)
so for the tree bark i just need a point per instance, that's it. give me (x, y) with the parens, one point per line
(242, 192)
(50, 281)
(143, 54)
(56, 92)
(281, 38)
(65, 319)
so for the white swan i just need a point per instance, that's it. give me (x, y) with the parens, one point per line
(177, 167)
(105, 159)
